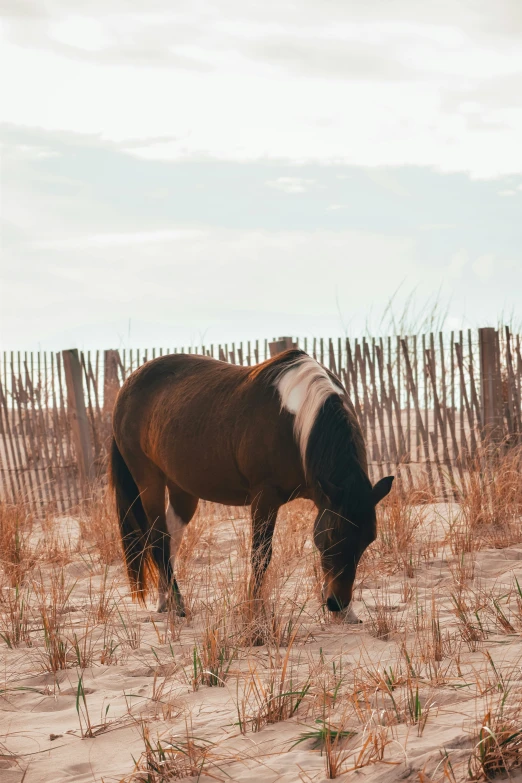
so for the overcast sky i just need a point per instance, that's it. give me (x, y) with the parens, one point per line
(235, 169)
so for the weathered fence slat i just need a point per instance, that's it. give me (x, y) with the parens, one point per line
(70, 485)
(23, 451)
(78, 415)
(420, 423)
(12, 467)
(490, 383)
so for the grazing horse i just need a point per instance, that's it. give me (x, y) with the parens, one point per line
(259, 436)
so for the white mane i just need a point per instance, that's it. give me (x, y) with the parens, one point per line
(304, 386)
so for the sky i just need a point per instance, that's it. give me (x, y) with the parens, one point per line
(173, 173)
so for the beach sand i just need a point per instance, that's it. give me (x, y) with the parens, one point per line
(437, 656)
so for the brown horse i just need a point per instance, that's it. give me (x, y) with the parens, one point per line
(257, 436)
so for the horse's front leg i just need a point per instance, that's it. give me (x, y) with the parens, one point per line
(264, 515)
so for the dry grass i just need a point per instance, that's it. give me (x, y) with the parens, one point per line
(336, 698)
(490, 501)
(497, 734)
(272, 695)
(99, 526)
(16, 555)
(164, 758)
(214, 655)
(332, 740)
(385, 618)
(401, 520)
(50, 602)
(15, 617)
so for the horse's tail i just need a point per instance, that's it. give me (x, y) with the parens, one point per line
(133, 525)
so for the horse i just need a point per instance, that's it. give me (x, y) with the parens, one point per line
(190, 427)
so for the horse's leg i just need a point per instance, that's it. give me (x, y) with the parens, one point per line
(264, 515)
(180, 510)
(152, 485)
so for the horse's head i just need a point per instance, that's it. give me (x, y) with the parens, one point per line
(345, 526)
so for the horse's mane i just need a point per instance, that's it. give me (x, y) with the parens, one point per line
(269, 370)
(336, 453)
(326, 427)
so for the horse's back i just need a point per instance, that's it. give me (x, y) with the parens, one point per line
(173, 390)
(213, 428)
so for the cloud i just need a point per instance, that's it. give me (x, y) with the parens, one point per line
(371, 84)
(25, 152)
(129, 238)
(109, 35)
(24, 9)
(291, 184)
(59, 185)
(94, 235)
(337, 59)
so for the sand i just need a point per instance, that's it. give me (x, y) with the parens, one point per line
(137, 667)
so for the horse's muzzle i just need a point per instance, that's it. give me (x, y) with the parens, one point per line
(334, 604)
(337, 595)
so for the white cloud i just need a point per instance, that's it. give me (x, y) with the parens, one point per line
(129, 238)
(291, 184)
(82, 33)
(353, 83)
(24, 152)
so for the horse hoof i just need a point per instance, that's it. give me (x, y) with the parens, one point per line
(176, 611)
(350, 617)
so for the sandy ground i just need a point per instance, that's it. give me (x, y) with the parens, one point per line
(440, 648)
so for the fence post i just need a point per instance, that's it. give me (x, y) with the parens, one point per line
(78, 415)
(280, 345)
(111, 382)
(490, 384)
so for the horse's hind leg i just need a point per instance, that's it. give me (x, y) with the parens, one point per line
(180, 510)
(152, 483)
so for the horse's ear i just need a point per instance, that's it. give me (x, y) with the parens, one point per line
(332, 492)
(381, 489)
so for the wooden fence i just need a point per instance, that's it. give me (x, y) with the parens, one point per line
(427, 403)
